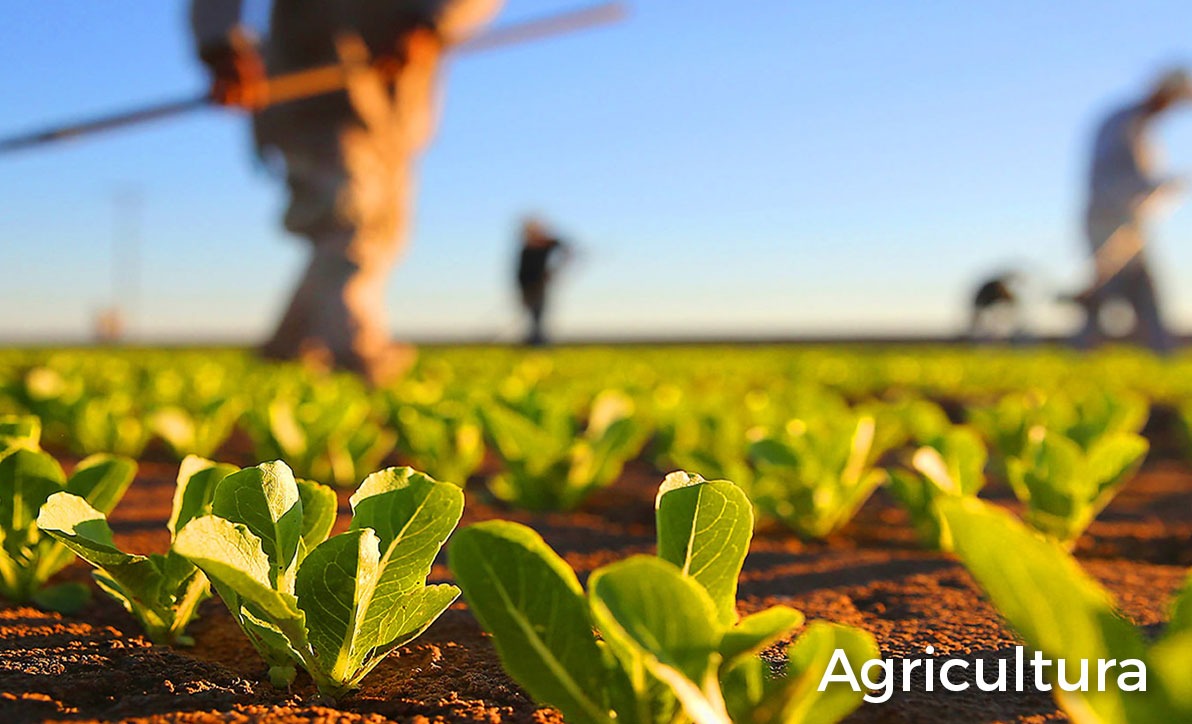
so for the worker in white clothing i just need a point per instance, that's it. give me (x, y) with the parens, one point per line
(348, 156)
(1125, 190)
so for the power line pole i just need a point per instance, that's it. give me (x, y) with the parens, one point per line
(118, 321)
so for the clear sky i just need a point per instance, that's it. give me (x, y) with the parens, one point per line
(770, 166)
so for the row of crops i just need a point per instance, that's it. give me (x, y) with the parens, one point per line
(807, 435)
(804, 437)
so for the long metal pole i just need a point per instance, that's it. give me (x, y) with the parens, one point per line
(318, 81)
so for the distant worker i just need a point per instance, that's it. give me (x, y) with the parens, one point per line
(348, 156)
(1124, 191)
(995, 312)
(542, 255)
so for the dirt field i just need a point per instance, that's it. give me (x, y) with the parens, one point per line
(96, 666)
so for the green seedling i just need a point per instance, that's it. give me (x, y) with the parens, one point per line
(548, 466)
(329, 438)
(444, 439)
(28, 557)
(1083, 416)
(953, 465)
(109, 423)
(655, 639)
(199, 431)
(817, 474)
(1061, 611)
(162, 592)
(334, 606)
(1065, 487)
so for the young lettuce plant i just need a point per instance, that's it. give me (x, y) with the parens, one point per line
(1088, 415)
(199, 430)
(110, 423)
(334, 606)
(952, 465)
(1064, 613)
(546, 466)
(1065, 487)
(162, 592)
(708, 436)
(1083, 416)
(324, 436)
(28, 557)
(444, 438)
(670, 644)
(816, 475)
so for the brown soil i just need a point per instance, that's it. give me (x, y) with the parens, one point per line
(873, 575)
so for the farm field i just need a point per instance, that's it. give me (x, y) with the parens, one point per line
(833, 445)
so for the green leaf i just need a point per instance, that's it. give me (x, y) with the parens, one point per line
(102, 480)
(796, 699)
(517, 437)
(757, 631)
(1181, 610)
(1112, 460)
(333, 582)
(66, 598)
(27, 478)
(412, 515)
(265, 499)
(337, 585)
(704, 528)
(530, 601)
(23, 430)
(1042, 592)
(136, 581)
(233, 557)
(417, 610)
(1065, 487)
(319, 508)
(966, 456)
(1170, 662)
(71, 520)
(659, 620)
(197, 479)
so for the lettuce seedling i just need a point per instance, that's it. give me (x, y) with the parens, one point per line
(334, 606)
(1083, 416)
(162, 592)
(708, 436)
(1064, 487)
(549, 467)
(109, 423)
(28, 558)
(1064, 613)
(912, 419)
(670, 644)
(325, 437)
(444, 439)
(816, 475)
(197, 431)
(952, 465)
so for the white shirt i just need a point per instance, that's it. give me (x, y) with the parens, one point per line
(1123, 170)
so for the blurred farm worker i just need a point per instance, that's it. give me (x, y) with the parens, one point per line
(542, 255)
(348, 156)
(995, 313)
(1125, 191)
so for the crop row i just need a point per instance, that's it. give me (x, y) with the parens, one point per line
(544, 433)
(653, 638)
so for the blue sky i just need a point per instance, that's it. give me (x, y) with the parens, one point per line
(767, 166)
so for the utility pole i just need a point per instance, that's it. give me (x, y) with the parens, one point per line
(117, 321)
